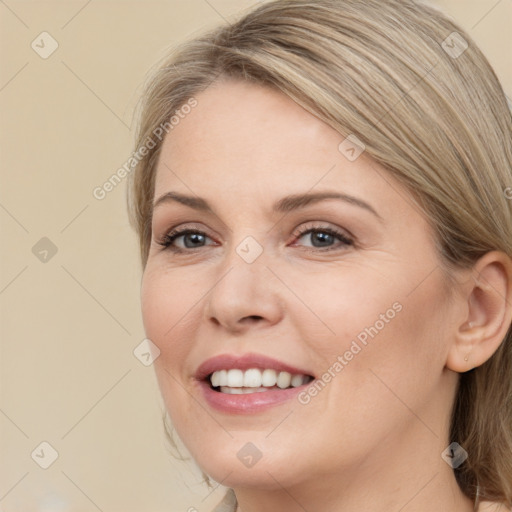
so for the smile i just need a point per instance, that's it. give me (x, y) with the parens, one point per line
(255, 380)
(248, 383)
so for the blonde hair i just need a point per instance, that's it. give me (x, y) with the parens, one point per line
(429, 110)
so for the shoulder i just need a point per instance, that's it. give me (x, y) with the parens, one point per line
(228, 504)
(491, 506)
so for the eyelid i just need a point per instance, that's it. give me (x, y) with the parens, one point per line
(343, 237)
(180, 229)
(323, 225)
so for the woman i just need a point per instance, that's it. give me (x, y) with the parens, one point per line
(326, 236)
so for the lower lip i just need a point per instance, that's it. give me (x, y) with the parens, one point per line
(248, 403)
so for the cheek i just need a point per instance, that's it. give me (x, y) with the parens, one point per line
(376, 328)
(385, 360)
(168, 303)
(389, 311)
(346, 306)
(167, 307)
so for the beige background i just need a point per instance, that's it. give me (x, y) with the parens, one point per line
(69, 325)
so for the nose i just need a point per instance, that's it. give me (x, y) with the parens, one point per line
(244, 295)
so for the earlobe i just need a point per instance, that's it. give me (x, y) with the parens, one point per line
(489, 313)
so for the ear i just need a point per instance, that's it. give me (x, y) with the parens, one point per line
(488, 313)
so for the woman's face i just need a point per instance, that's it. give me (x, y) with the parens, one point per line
(346, 290)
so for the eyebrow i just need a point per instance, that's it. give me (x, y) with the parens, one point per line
(284, 205)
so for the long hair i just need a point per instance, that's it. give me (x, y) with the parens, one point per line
(415, 89)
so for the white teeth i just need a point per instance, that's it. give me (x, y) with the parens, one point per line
(297, 381)
(241, 391)
(215, 379)
(235, 378)
(232, 391)
(269, 378)
(254, 380)
(284, 380)
(223, 378)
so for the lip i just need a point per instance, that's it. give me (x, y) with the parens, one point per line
(249, 403)
(244, 362)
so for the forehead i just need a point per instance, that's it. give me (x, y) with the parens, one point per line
(243, 123)
(256, 143)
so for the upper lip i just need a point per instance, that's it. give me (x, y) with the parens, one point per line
(244, 362)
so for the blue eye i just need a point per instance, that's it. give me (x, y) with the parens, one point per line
(191, 238)
(322, 239)
(325, 237)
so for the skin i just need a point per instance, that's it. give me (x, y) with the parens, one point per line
(372, 438)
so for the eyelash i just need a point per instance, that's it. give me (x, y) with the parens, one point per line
(170, 237)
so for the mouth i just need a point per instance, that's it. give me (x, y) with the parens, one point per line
(236, 381)
(249, 383)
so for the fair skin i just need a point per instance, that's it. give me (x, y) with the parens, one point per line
(372, 438)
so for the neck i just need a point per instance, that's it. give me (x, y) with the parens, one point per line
(437, 493)
(406, 475)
